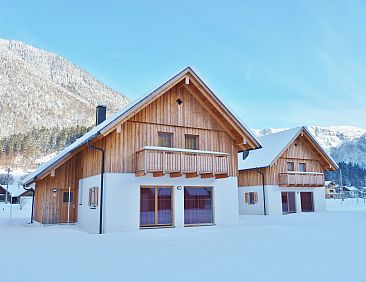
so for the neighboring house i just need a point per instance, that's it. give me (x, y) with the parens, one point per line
(170, 160)
(17, 195)
(289, 168)
(3, 194)
(350, 192)
(362, 192)
(332, 190)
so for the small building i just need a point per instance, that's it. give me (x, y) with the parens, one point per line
(18, 195)
(3, 194)
(332, 190)
(362, 192)
(350, 192)
(285, 176)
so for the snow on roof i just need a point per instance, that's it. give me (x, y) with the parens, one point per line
(14, 189)
(273, 144)
(109, 122)
(350, 188)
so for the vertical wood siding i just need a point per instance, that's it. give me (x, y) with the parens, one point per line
(162, 115)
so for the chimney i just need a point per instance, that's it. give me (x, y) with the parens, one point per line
(101, 113)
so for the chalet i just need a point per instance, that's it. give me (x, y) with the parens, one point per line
(167, 160)
(332, 190)
(285, 176)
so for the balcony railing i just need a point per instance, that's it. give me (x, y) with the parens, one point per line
(175, 162)
(301, 179)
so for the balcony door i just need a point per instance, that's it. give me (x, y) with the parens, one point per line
(156, 206)
(288, 202)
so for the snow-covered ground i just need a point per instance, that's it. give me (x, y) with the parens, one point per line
(300, 247)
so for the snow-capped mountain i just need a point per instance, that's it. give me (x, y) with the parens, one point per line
(344, 143)
(41, 89)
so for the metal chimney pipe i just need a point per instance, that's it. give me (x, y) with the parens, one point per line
(101, 114)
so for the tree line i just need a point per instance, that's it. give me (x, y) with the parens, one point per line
(36, 143)
(352, 174)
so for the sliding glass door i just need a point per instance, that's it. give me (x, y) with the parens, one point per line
(288, 202)
(156, 206)
(198, 205)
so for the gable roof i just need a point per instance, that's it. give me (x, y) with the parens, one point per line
(125, 113)
(274, 145)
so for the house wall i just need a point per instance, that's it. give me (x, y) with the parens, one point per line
(162, 115)
(122, 195)
(274, 201)
(45, 203)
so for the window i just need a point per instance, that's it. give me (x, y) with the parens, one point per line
(191, 142)
(93, 197)
(165, 139)
(198, 205)
(302, 167)
(290, 166)
(251, 198)
(67, 199)
(156, 206)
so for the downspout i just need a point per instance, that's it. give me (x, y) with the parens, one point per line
(33, 191)
(101, 186)
(264, 194)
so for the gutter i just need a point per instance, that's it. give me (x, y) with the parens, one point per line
(101, 186)
(33, 191)
(264, 194)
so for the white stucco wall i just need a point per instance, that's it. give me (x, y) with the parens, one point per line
(87, 218)
(122, 200)
(274, 201)
(245, 208)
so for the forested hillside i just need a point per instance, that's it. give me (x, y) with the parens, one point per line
(25, 149)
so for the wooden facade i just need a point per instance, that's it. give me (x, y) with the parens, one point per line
(181, 110)
(300, 151)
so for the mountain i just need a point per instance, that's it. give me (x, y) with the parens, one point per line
(344, 143)
(39, 89)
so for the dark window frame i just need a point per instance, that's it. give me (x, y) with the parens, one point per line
(193, 136)
(162, 134)
(293, 166)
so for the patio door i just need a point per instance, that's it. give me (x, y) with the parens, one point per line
(288, 202)
(307, 202)
(198, 206)
(156, 206)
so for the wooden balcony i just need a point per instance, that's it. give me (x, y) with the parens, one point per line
(176, 162)
(301, 179)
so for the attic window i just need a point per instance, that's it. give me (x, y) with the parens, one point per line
(179, 101)
(295, 144)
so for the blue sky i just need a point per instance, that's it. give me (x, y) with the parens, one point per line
(276, 63)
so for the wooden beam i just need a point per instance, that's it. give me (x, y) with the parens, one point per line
(207, 175)
(158, 174)
(175, 174)
(191, 175)
(219, 176)
(140, 173)
(118, 129)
